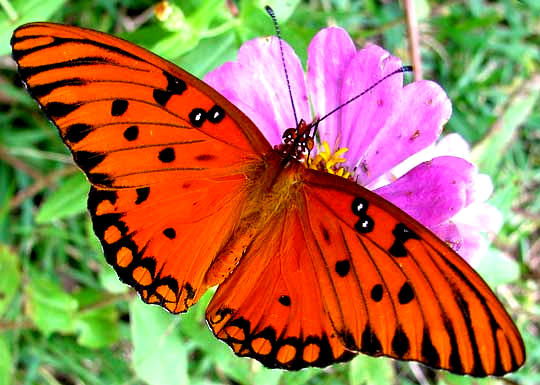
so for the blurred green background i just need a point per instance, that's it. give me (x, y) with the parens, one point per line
(66, 318)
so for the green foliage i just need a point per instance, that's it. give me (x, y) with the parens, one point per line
(65, 316)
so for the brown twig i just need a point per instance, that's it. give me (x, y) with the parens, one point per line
(414, 38)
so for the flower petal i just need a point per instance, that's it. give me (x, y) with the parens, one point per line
(414, 123)
(362, 119)
(474, 244)
(329, 54)
(450, 234)
(256, 84)
(480, 217)
(433, 191)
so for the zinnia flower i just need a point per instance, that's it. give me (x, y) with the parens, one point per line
(369, 140)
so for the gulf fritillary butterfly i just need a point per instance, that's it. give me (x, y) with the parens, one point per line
(188, 194)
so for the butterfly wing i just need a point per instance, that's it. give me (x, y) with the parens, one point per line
(156, 143)
(344, 271)
(124, 112)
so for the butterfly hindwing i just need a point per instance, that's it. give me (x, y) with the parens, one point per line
(164, 239)
(271, 307)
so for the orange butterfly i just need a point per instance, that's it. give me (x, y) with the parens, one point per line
(187, 194)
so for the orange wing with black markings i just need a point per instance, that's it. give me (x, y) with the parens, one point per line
(156, 143)
(343, 271)
(130, 118)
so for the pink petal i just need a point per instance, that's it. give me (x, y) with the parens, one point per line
(480, 217)
(362, 119)
(433, 191)
(450, 234)
(256, 84)
(474, 244)
(415, 122)
(329, 53)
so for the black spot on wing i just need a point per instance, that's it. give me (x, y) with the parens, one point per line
(285, 300)
(377, 292)
(365, 223)
(169, 232)
(161, 96)
(167, 155)
(400, 342)
(174, 85)
(455, 359)
(343, 267)
(197, 117)
(406, 294)
(88, 160)
(77, 132)
(402, 234)
(131, 133)
(370, 344)
(429, 352)
(142, 194)
(215, 114)
(119, 107)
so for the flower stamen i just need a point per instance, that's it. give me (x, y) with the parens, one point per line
(330, 162)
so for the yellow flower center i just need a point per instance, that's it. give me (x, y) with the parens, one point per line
(330, 162)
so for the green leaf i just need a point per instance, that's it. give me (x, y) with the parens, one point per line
(266, 376)
(489, 153)
(159, 352)
(209, 54)
(51, 308)
(283, 9)
(6, 362)
(11, 277)
(97, 326)
(68, 200)
(110, 281)
(21, 12)
(366, 370)
(497, 268)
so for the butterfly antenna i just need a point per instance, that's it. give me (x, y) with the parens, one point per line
(399, 70)
(270, 12)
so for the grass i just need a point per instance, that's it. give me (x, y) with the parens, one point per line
(66, 318)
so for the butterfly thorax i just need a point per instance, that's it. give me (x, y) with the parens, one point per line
(278, 183)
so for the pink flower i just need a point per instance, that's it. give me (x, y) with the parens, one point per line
(371, 138)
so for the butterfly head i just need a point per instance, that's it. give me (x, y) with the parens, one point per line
(297, 142)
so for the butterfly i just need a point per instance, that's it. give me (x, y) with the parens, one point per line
(187, 194)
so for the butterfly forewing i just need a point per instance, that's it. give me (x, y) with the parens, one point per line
(130, 118)
(401, 291)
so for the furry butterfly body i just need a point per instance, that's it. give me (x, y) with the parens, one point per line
(187, 194)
